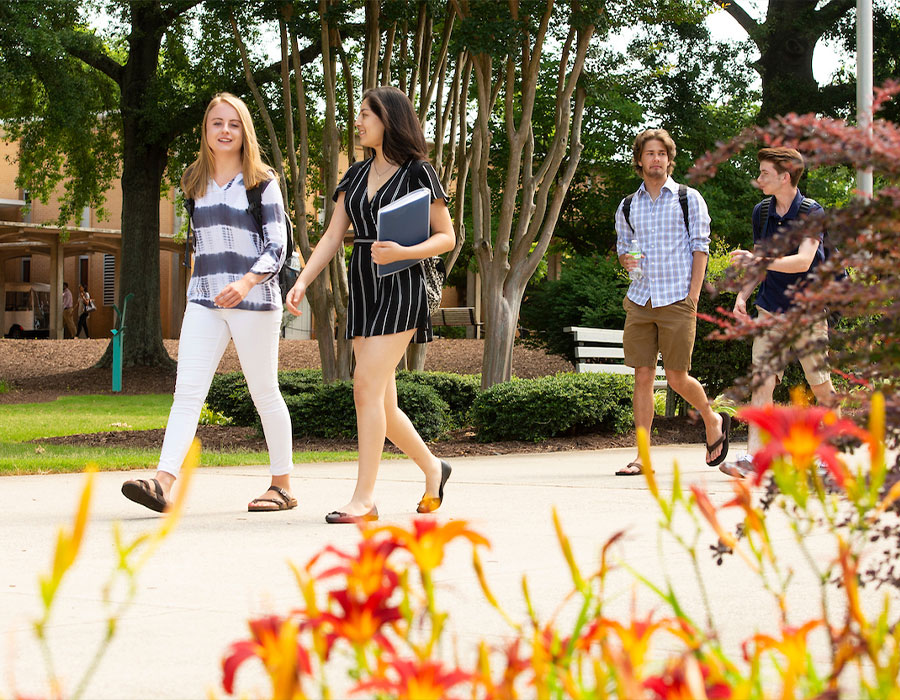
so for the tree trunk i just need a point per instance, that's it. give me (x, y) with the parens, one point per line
(501, 319)
(142, 171)
(143, 164)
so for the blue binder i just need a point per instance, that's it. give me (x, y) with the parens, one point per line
(405, 221)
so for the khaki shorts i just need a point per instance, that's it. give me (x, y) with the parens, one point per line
(667, 329)
(814, 362)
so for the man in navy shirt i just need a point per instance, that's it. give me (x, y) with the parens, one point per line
(779, 172)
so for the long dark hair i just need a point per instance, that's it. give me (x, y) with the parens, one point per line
(403, 137)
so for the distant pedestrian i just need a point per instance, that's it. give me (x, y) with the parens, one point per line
(87, 307)
(233, 295)
(385, 313)
(663, 241)
(779, 172)
(68, 312)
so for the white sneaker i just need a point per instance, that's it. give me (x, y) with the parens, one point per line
(740, 468)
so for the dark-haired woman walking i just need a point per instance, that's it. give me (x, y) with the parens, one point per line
(385, 313)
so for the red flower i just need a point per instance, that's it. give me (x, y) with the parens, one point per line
(686, 678)
(366, 571)
(360, 621)
(275, 644)
(413, 679)
(801, 433)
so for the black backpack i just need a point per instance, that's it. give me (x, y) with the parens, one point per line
(286, 275)
(806, 206)
(682, 200)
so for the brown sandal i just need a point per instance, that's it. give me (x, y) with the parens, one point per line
(285, 502)
(140, 492)
(631, 469)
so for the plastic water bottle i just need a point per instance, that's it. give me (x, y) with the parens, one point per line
(635, 252)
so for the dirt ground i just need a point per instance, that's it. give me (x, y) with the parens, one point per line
(42, 370)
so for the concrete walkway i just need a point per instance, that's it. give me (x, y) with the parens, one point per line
(224, 565)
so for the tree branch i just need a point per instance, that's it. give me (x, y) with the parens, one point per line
(828, 15)
(98, 60)
(176, 9)
(750, 25)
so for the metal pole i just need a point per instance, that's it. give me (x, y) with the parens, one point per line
(864, 85)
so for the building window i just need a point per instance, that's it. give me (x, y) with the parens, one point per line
(26, 269)
(84, 266)
(109, 280)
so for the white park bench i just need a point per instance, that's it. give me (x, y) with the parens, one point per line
(600, 350)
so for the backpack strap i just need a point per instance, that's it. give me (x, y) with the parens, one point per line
(806, 205)
(765, 207)
(683, 201)
(189, 208)
(254, 203)
(626, 210)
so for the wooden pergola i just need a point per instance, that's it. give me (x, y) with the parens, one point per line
(21, 239)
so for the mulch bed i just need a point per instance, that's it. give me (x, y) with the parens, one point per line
(461, 443)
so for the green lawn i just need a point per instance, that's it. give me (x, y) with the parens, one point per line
(72, 415)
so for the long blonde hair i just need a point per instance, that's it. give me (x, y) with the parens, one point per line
(255, 170)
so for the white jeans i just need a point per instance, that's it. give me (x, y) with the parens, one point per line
(204, 336)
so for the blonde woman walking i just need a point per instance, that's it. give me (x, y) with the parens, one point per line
(233, 295)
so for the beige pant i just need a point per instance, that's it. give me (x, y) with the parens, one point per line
(69, 321)
(814, 362)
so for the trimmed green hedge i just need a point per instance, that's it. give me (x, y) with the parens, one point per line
(327, 410)
(534, 409)
(458, 390)
(523, 409)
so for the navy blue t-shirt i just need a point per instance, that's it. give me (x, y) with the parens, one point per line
(772, 292)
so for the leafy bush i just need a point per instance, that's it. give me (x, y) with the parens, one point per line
(327, 410)
(534, 409)
(229, 395)
(209, 417)
(458, 390)
(589, 292)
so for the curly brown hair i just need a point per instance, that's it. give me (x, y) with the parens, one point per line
(648, 135)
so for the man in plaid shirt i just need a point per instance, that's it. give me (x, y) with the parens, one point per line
(670, 223)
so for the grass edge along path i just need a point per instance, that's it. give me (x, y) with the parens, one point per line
(73, 415)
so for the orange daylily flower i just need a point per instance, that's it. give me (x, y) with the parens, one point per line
(367, 570)
(753, 517)
(414, 679)
(634, 638)
(427, 540)
(801, 433)
(708, 511)
(792, 646)
(360, 621)
(275, 643)
(515, 665)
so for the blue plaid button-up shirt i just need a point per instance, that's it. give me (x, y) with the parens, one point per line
(667, 246)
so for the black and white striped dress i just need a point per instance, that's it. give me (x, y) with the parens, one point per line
(394, 303)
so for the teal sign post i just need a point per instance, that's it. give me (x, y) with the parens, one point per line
(118, 335)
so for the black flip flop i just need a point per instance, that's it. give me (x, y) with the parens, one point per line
(139, 491)
(723, 441)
